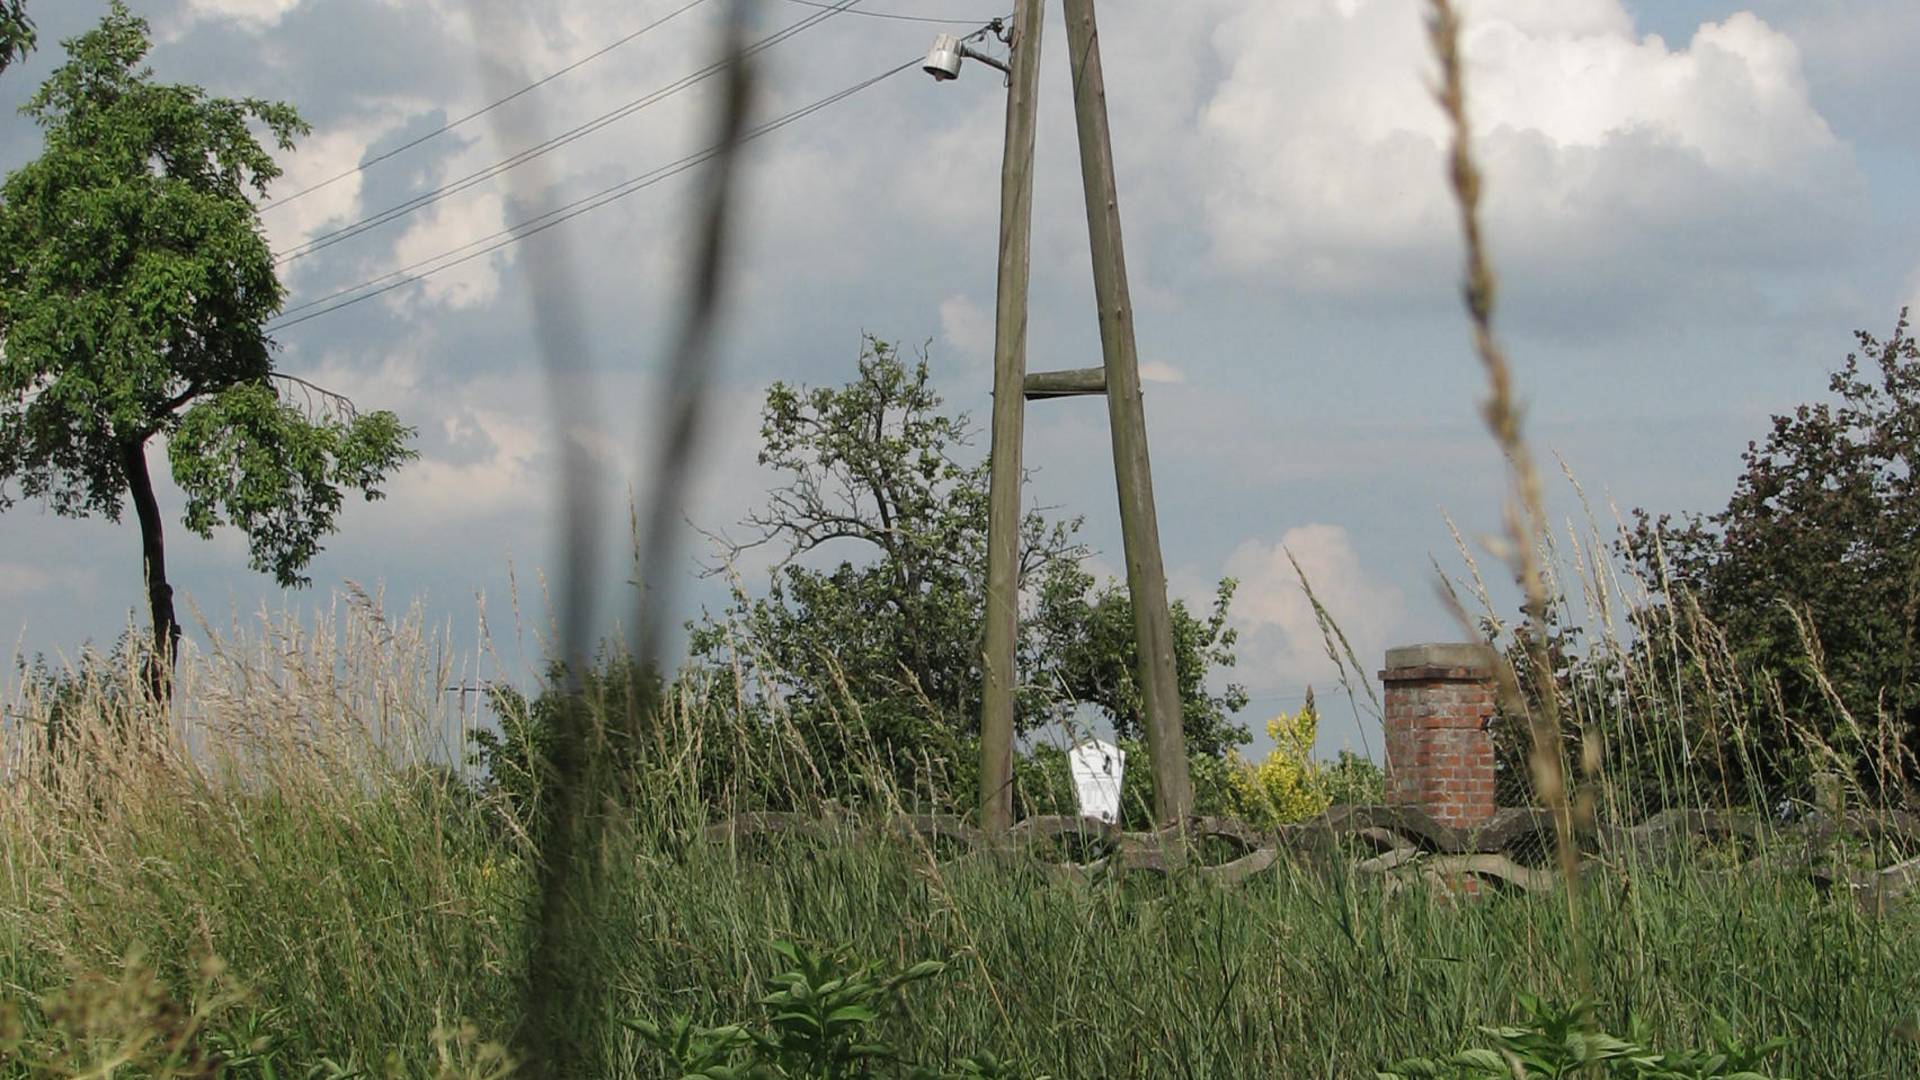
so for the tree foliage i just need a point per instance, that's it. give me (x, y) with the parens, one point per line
(135, 287)
(1085, 653)
(868, 636)
(870, 467)
(1289, 785)
(16, 33)
(245, 457)
(1809, 582)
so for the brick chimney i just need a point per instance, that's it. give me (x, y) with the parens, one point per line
(1440, 699)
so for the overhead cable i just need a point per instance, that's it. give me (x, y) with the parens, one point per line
(895, 16)
(540, 223)
(484, 109)
(374, 221)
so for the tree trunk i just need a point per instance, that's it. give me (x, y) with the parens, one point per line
(153, 555)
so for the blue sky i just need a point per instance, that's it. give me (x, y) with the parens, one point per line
(1693, 204)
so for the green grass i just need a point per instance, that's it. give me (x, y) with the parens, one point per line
(359, 919)
(368, 913)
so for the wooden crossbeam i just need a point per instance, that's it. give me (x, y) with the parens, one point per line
(1056, 384)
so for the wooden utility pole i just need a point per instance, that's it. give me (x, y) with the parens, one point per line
(1118, 378)
(1009, 417)
(1139, 526)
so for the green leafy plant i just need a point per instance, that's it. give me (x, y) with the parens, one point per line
(824, 1013)
(1287, 785)
(698, 1053)
(822, 1025)
(1557, 1042)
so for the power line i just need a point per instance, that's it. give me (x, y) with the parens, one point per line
(484, 109)
(473, 179)
(1271, 699)
(533, 226)
(374, 221)
(891, 15)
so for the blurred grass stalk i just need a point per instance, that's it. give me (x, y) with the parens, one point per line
(1525, 512)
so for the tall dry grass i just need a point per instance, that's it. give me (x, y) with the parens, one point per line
(290, 873)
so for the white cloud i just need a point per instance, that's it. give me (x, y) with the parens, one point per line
(259, 12)
(948, 181)
(326, 157)
(1328, 147)
(1285, 143)
(1159, 371)
(967, 327)
(443, 229)
(486, 448)
(1282, 645)
(504, 47)
(500, 476)
(18, 579)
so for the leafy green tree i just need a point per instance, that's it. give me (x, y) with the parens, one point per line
(892, 632)
(1811, 576)
(1086, 654)
(16, 33)
(877, 656)
(135, 285)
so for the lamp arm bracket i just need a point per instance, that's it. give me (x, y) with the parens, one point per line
(991, 61)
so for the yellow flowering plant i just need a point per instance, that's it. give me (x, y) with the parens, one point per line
(1288, 785)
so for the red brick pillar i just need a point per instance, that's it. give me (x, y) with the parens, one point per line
(1439, 753)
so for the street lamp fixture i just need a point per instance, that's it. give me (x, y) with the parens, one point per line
(943, 60)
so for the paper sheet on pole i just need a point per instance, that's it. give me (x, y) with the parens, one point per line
(1097, 768)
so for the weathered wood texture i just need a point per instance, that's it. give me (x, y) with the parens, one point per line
(1075, 383)
(1404, 845)
(1139, 525)
(1009, 419)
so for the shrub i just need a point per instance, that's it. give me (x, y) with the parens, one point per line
(1288, 785)
(1806, 583)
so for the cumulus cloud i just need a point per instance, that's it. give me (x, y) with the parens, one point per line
(1264, 150)
(1281, 640)
(1328, 147)
(493, 471)
(443, 229)
(1859, 55)
(494, 50)
(324, 161)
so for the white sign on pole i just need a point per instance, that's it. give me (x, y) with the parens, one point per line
(1097, 767)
